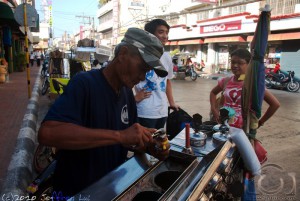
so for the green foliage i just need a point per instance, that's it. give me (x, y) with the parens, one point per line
(20, 61)
(102, 2)
(21, 58)
(174, 52)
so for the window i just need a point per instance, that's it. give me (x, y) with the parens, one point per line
(107, 35)
(106, 17)
(237, 9)
(202, 15)
(281, 7)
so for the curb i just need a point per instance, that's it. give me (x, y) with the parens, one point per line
(19, 172)
(214, 76)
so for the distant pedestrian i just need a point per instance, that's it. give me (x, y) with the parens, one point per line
(42, 57)
(202, 65)
(96, 64)
(38, 58)
(32, 57)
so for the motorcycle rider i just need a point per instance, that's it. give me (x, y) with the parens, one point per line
(277, 67)
(276, 71)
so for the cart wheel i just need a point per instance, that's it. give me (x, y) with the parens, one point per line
(42, 157)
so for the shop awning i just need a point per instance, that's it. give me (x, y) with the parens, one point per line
(41, 45)
(190, 42)
(282, 36)
(172, 43)
(225, 39)
(7, 16)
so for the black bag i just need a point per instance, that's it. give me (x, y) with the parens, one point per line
(175, 122)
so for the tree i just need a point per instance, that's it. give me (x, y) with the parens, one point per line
(102, 2)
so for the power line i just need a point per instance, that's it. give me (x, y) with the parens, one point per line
(91, 3)
(90, 23)
(63, 12)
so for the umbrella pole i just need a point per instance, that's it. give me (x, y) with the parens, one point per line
(248, 124)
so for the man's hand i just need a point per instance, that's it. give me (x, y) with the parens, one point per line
(136, 136)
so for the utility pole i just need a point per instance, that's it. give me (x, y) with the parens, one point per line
(90, 23)
(26, 49)
(93, 28)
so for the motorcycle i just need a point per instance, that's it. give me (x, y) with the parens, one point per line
(182, 70)
(189, 71)
(46, 83)
(44, 68)
(275, 81)
(281, 74)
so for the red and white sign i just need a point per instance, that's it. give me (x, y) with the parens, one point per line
(81, 32)
(225, 26)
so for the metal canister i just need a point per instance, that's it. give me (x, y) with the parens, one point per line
(198, 139)
(162, 142)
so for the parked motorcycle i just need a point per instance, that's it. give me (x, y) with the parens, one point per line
(46, 84)
(189, 71)
(281, 74)
(275, 81)
(44, 68)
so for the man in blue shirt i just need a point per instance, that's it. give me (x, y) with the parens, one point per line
(94, 121)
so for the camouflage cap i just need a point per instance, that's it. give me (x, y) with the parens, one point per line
(149, 46)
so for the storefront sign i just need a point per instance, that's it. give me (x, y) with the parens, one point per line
(226, 26)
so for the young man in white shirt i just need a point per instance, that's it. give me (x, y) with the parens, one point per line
(154, 94)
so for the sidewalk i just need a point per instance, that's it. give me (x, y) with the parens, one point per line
(213, 76)
(14, 103)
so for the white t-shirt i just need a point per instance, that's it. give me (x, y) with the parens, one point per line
(156, 106)
(32, 55)
(38, 55)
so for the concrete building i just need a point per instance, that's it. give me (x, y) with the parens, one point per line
(209, 29)
(12, 34)
(232, 25)
(42, 37)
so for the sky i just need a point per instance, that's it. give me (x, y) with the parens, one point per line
(64, 14)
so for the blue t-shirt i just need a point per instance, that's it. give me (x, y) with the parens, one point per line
(90, 101)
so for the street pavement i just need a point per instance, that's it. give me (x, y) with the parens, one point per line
(280, 135)
(13, 106)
